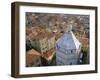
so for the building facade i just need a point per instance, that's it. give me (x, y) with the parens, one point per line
(44, 43)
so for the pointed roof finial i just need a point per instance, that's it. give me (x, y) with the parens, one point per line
(70, 27)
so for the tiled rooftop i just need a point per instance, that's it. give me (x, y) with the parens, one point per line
(31, 55)
(49, 54)
(35, 34)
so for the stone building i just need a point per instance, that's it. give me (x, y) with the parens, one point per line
(50, 41)
(39, 42)
(44, 43)
(68, 49)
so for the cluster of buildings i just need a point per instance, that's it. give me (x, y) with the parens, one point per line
(56, 44)
(43, 44)
(46, 51)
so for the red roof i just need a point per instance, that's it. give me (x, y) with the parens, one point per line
(48, 54)
(31, 55)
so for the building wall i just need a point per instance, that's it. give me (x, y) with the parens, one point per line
(43, 44)
(40, 44)
(63, 58)
(51, 43)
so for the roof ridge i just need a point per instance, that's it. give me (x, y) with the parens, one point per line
(75, 39)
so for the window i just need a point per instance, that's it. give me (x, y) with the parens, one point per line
(70, 63)
(71, 51)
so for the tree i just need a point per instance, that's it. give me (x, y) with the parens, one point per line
(85, 51)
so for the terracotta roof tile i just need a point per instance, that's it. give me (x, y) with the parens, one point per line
(49, 54)
(31, 55)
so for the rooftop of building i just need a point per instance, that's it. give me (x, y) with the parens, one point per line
(68, 41)
(31, 55)
(40, 34)
(49, 54)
